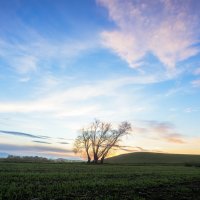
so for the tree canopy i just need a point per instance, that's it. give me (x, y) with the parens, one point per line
(96, 141)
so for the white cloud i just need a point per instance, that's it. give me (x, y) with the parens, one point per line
(78, 100)
(168, 29)
(124, 45)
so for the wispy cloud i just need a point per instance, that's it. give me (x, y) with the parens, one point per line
(63, 142)
(36, 149)
(133, 149)
(129, 148)
(70, 101)
(167, 29)
(39, 53)
(167, 132)
(41, 142)
(64, 139)
(197, 71)
(196, 83)
(23, 134)
(25, 64)
(161, 131)
(192, 109)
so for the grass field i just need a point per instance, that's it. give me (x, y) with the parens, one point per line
(27, 181)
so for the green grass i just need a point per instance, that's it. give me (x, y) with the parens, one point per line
(157, 158)
(45, 181)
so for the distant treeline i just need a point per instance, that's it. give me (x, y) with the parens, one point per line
(12, 158)
(38, 159)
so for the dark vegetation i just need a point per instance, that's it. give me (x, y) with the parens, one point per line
(155, 158)
(12, 158)
(34, 159)
(63, 181)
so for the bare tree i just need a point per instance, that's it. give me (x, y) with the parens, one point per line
(99, 138)
(114, 139)
(82, 144)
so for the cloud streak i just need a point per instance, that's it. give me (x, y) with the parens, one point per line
(161, 131)
(41, 142)
(36, 149)
(63, 142)
(167, 29)
(24, 134)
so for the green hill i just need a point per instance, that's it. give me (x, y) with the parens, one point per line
(151, 158)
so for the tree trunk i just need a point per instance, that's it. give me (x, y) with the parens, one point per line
(89, 160)
(102, 160)
(95, 159)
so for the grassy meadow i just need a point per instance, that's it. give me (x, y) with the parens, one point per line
(59, 181)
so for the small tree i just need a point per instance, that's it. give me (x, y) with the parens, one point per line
(99, 138)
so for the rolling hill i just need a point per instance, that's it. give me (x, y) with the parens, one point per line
(151, 158)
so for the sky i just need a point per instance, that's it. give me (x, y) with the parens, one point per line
(65, 63)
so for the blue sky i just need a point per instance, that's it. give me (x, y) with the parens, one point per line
(64, 63)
